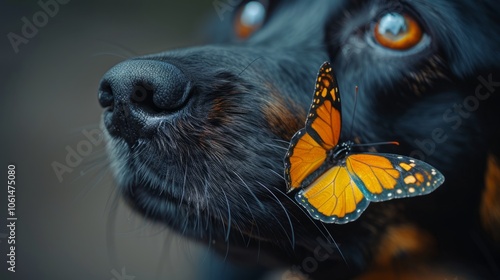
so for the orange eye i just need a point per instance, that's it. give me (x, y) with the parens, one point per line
(398, 32)
(249, 18)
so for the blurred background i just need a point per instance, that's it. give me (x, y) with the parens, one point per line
(70, 223)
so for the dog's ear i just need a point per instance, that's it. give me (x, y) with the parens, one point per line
(490, 204)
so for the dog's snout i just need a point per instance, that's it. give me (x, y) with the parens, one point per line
(151, 86)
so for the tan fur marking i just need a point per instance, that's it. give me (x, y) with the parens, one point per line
(283, 116)
(403, 239)
(490, 206)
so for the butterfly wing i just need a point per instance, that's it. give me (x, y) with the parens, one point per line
(334, 197)
(309, 146)
(324, 120)
(343, 192)
(304, 157)
(383, 177)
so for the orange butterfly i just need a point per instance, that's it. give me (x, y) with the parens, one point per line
(335, 184)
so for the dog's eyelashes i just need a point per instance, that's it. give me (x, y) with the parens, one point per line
(249, 18)
(397, 31)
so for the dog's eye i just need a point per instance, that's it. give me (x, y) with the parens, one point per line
(249, 18)
(397, 31)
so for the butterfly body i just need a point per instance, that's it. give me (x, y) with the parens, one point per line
(335, 184)
(340, 152)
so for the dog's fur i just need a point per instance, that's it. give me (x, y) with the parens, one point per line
(212, 168)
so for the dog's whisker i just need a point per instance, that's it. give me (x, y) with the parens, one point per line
(292, 232)
(259, 57)
(237, 226)
(111, 229)
(328, 237)
(184, 185)
(207, 206)
(227, 252)
(81, 128)
(108, 54)
(281, 141)
(208, 250)
(166, 249)
(97, 159)
(336, 245)
(250, 192)
(229, 220)
(221, 218)
(253, 221)
(277, 174)
(226, 230)
(275, 146)
(127, 52)
(103, 172)
(306, 214)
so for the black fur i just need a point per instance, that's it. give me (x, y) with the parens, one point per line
(211, 168)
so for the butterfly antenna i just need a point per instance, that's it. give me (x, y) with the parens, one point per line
(354, 112)
(356, 89)
(376, 144)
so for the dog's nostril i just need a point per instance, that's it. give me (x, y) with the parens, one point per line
(143, 98)
(105, 95)
(173, 94)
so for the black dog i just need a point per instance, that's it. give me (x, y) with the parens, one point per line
(197, 136)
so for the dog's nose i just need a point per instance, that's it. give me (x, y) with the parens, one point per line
(135, 91)
(148, 85)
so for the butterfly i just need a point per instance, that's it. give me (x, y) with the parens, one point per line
(336, 185)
